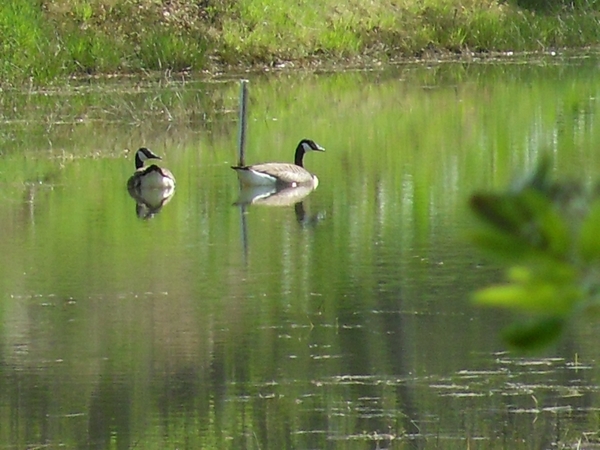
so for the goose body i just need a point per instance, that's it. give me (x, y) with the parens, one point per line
(149, 177)
(281, 174)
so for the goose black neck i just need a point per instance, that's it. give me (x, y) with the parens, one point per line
(138, 161)
(299, 156)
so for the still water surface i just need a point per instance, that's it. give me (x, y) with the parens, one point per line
(341, 322)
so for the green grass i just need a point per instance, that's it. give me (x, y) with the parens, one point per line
(44, 40)
(24, 38)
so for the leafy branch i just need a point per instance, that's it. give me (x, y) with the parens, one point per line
(548, 235)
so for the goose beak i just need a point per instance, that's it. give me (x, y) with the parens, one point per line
(319, 148)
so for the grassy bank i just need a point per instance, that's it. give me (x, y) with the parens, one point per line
(44, 40)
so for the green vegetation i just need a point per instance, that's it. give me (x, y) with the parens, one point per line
(44, 40)
(547, 232)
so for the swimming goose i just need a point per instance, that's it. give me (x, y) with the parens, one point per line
(281, 174)
(149, 177)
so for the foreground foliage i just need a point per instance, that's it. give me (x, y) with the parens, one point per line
(91, 36)
(548, 234)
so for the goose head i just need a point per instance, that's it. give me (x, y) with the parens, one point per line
(306, 145)
(310, 145)
(142, 155)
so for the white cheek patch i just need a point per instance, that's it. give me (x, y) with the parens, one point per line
(306, 147)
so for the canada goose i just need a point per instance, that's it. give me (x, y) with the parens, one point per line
(150, 177)
(281, 174)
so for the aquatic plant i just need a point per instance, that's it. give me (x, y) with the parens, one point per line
(548, 235)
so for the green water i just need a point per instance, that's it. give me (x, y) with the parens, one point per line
(342, 322)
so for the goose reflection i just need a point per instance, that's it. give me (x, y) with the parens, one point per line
(305, 219)
(273, 196)
(149, 202)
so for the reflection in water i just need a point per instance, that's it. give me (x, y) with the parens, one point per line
(305, 219)
(110, 413)
(272, 196)
(149, 202)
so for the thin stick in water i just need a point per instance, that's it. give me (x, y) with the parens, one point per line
(242, 130)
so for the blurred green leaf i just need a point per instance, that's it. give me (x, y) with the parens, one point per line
(548, 230)
(504, 246)
(520, 222)
(534, 334)
(589, 236)
(549, 235)
(503, 212)
(553, 272)
(519, 274)
(538, 297)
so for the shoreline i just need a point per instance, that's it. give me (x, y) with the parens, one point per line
(54, 40)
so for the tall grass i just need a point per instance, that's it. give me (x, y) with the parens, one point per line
(269, 30)
(43, 40)
(26, 49)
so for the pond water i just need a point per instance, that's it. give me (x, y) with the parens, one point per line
(341, 322)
